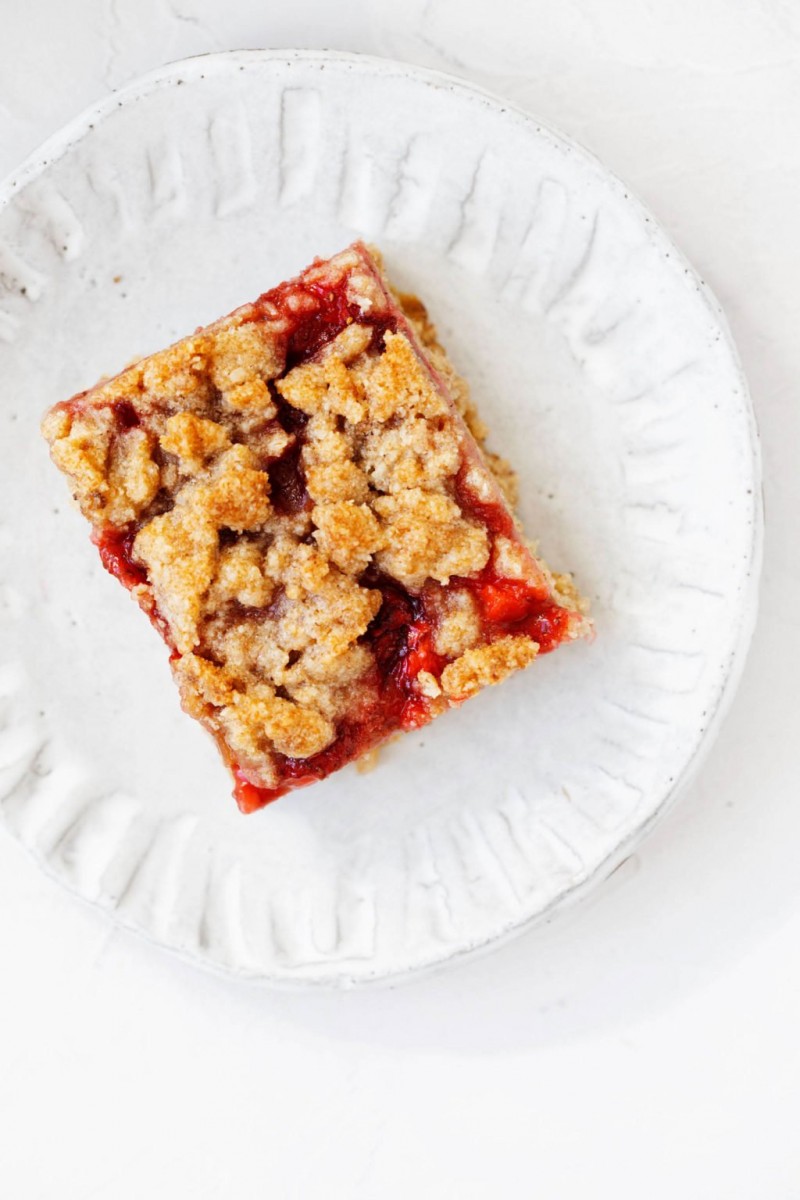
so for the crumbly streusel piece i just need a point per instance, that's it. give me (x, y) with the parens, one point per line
(300, 499)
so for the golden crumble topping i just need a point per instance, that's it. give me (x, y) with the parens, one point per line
(193, 440)
(510, 559)
(349, 534)
(411, 452)
(235, 493)
(179, 374)
(326, 387)
(179, 550)
(243, 354)
(486, 665)
(258, 722)
(352, 341)
(267, 508)
(396, 385)
(113, 475)
(427, 537)
(240, 576)
(458, 626)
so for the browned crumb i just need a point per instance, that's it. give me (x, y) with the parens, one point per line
(486, 665)
(369, 761)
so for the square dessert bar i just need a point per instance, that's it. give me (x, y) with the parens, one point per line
(297, 497)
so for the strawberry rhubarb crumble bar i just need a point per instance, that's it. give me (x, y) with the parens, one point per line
(298, 498)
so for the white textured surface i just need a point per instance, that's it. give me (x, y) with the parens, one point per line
(643, 1044)
(605, 372)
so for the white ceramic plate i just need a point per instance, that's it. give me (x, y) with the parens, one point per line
(607, 375)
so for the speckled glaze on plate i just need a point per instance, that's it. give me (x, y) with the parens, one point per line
(607, 375)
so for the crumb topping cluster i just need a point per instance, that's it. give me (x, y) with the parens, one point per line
(263, 502)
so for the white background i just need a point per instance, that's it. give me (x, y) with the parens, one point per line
(646, 1044)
